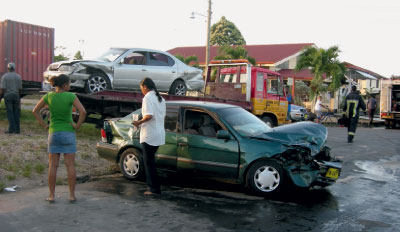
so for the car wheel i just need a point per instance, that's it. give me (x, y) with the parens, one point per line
(268, 120)
(266, 178)
(178, 88)
(131, 164)
(97, 82)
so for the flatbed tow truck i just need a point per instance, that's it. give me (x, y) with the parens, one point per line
(235, 82)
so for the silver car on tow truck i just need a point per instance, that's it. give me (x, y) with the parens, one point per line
(124, 68)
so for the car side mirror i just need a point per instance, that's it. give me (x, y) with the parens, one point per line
(223, 134)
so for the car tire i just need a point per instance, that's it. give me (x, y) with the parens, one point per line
(268, 120)
(178, 88)
(97, 82)
(266, 178)
(131, 164)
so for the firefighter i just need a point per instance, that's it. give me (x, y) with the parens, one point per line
(352, 106)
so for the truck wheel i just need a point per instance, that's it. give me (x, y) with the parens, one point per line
(268, 120)
(131, 164)
(266, 178)
(97, 82)
(178, 88)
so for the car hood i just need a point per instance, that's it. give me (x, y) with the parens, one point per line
(307, 134)
(72, 62)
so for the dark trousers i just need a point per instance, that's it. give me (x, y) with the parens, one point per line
(150, 167)
(13, 107)
(371, 116)
(351, 129)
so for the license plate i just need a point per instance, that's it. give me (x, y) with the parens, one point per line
(332, 173)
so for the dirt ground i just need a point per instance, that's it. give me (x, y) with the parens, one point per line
(24, 158)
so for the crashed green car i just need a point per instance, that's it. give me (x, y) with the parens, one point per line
(227, 142)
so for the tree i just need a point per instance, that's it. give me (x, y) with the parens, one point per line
(323, 64)
(225, 32)
(188, 60)
(78, 56)
(229, 53)
(60, 56)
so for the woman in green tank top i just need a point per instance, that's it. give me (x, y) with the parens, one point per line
(61, 130)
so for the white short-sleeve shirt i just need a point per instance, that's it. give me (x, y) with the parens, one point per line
(152, 132)
(318, 105)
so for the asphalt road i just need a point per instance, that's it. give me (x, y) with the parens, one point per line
(366, 198)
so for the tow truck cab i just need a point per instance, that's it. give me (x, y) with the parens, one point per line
(230, 79)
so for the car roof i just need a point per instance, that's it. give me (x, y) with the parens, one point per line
(141, 49)
(201, 104)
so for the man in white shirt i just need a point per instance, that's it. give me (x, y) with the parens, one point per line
(318, 108)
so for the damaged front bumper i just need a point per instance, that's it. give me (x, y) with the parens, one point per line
(309, 171)
(78, 80)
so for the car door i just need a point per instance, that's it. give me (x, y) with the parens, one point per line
(206, 154)
(166, 155)
(162, 69)
(129, 71)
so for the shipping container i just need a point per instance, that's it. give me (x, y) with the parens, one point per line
(30, 47)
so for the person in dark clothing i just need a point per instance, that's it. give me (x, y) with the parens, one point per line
(371, 105)
(11, 87)
(352, 106)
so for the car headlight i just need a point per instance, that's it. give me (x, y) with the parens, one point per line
(66, 68)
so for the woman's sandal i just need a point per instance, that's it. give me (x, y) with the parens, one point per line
(49, 199)
(71, 200)
(150, 193)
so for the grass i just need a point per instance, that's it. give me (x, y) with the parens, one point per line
(26, 115)
(27, 170)
(40, 168)
(59, 181)
(29, 159)
(2, 186)
(11, 177)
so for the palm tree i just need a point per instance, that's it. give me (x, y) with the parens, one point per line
(323, 64)
(187, 60)
(227, 52)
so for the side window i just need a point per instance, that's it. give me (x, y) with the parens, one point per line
(274, 85)
(260, 81)
(171, 120)
(200, 123)
(135, 58)
(158, 59)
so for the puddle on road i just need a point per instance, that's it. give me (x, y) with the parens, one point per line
(383, 170)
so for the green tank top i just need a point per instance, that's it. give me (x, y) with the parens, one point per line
(60, 106)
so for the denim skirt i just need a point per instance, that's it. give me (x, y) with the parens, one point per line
(62, 142)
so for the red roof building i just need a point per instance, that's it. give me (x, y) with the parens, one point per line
(265, 55)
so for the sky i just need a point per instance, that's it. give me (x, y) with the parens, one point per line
(366, 31)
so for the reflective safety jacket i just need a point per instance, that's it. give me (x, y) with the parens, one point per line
(352, 104)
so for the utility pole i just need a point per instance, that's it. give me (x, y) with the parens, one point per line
(208, 41)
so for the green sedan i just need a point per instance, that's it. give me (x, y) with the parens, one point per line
(227, 142)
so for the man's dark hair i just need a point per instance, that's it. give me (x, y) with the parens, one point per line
(59, 81)
(149, 83)
(353, 88)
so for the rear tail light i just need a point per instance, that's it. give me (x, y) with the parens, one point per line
(384, 114)
(103, 135)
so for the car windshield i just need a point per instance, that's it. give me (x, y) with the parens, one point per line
(243, 122)
(111, 54)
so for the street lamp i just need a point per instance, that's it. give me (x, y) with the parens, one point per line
(208, 35)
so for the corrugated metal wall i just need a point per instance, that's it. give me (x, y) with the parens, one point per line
(30, 47)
